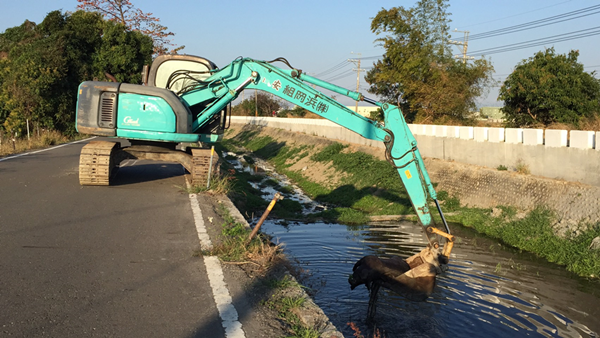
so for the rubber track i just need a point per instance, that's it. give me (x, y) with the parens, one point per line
(96, 163)
(201, 165)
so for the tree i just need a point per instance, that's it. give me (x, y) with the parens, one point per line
(42, 65)
(266, 104)
(297, 111)
(122, 53)
(548, 88)
(417, 71)
(124, 12)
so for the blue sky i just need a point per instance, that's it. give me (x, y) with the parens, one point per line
(315, 36)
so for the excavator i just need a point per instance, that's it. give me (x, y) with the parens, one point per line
(184, 105)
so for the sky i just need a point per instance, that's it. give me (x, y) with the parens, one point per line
(320, 37)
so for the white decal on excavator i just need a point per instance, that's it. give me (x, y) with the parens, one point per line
(276, 84)
(129, 121)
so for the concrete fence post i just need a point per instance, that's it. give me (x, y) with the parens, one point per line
(441, 131)
(514, 135)
(481, 134)
(496, 135)
(556, 138)
(466, 133)
(582, 139)
(453, 131)
(533, 137)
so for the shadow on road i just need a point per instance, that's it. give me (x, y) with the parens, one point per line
(146, 172)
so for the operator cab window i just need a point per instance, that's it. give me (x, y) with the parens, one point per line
(176, 72)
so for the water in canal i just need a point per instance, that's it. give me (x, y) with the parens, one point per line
(488, 291)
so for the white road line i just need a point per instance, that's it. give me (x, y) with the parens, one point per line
(42, 150)
(205, 243)
(227, 312)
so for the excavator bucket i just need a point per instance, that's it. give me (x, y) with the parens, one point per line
(413, 278)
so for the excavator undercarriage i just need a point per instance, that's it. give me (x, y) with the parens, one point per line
(100, 159)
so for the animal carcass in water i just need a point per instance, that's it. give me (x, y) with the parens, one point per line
(413, 278)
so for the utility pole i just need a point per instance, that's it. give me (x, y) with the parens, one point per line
(357, 70)
(255, 103)
(465, 44)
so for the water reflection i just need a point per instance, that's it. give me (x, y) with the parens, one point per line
(474, 298)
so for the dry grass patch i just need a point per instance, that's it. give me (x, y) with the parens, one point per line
(10, 145)
(233, 246)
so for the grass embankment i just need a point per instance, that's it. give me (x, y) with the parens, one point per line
(361, 194)
(371, 187)
(234, 246)
(287, 306)
(286, 297)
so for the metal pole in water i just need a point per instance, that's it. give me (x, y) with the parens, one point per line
(264, 216)
(212, 152)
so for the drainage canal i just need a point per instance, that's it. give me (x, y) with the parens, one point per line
(489, 290)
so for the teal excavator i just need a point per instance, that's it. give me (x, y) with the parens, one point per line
(184, 106)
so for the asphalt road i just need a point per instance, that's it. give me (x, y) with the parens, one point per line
(99, 261)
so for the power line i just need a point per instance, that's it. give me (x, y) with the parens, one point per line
(539, 23)
(372, 57)
(541, 41)
(338, 77)
(512, 16)
(335, 68)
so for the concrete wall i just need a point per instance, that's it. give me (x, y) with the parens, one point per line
(555, 156)
(488, 188)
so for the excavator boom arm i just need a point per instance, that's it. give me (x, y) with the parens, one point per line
(226, 84)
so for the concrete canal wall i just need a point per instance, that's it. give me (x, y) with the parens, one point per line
(564, 172)
(554, 154)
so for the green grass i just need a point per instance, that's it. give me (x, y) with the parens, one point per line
(282, 283)
(234, 246)
(219, 184)
(45, 139)
(533, 233)
(284, 307)
(247, 199)
(372, 186)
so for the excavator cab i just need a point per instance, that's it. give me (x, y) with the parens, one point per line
(180, 73)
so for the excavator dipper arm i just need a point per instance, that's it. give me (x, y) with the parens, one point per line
(292, 85)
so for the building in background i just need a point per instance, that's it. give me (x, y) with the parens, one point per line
(364, 111)
(493, 114)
